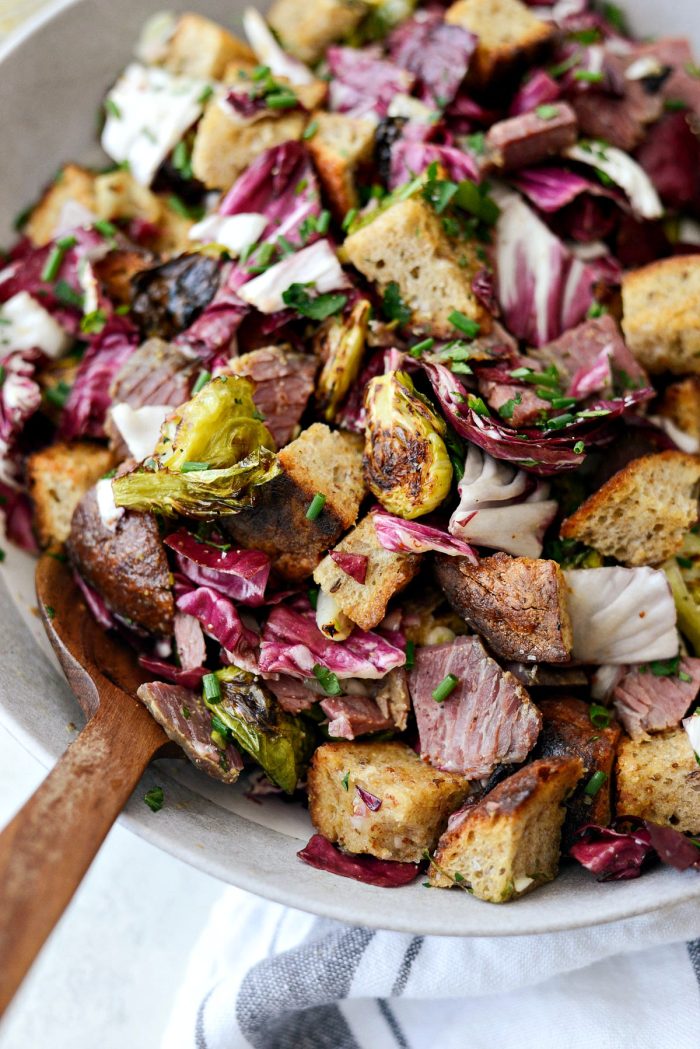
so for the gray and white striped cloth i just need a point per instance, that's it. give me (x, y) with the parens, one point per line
(263, 976)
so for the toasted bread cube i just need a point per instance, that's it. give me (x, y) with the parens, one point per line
(306, 30)
(318, 461)
(681, 406)
(407, 244)
(640, 516)
(200, 48)
(509, 35)
(658, 779)
(339, 145)
(173, 232)
(72, 185)
(509, 842)
(119, 196)
(387, 573)
(416, 799)
(661, 314)
(224, 148)
(117, 268)
(59, 476)
(567, 731)
(310, 95)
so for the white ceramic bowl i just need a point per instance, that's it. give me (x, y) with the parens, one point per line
(52, 76)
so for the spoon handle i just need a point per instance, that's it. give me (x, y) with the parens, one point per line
(48, 846)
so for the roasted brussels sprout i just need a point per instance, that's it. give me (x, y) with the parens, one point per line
(407, 465)
(212, 454)
(280, 744)
(341, 345)
(168, 298)
(683, 574)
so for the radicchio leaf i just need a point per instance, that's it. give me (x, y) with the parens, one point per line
(20, 396)
(387, 874)
(363, 82)
(293, 644)
(372, 802)
(537, 90)
(623, 850)
(435, 52)
(410, 537)
(176, 675)
(86, 408)
(219, 619)
(410, 157)
(354, 565)
(241, 575)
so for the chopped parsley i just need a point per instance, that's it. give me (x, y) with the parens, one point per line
(66, 295)
(187, 211)
(182, 160)
(327, 680)
(112, 109)
(58, 394)
(154, 798)
(315, 307)
(93, 323)
(393, 306)
(346, 781)
(477, 405)
(49, 611)
(506, 410)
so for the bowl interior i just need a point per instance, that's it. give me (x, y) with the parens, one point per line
(52, 77)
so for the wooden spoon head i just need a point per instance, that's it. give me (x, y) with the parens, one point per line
(93, 660)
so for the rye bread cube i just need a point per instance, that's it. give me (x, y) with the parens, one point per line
(199, 47)
(509, 36)
(339, 145)
(224, 147)
(658, 779)
(416, 799)
(72, 185)
(661, 315)
(306, 30)
(58, 477)
(388, 573)
(508, 843)
(406, 244)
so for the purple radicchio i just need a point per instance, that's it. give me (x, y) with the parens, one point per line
(354, 565)
(293, 644)
(387, 874)
(543, 289)
(241, 575)
(211, 335)
(552, 188)
(220, 620)
(363, 82)
(435, 52)
(169, 672)
(86, 408)
(625, 849)
(20, 396)
(410, 157)
(501, 507)
(410, 537)
(539, 89)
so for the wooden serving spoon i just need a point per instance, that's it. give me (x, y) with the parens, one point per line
(49, 845)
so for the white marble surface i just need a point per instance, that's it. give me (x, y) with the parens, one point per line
(109, 973)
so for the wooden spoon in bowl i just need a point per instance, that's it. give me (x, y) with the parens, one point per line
(49, 845)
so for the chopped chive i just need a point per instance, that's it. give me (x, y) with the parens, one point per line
(562, 402)
(281, 100)
(206, 94)
(464, 324)
(188, 468)
(202, 380)
(53, 264)
(600, 716)
(588, 76)
(58, 394)
(421, 347)
(310, 130)
(154, 798)
(323, 221)
(212, 688)
(547, 112)
(107, 229)
(186, 712)
(315, 506)
(285, 247)
(595, 783)
(445, 688)
(560, 421)
(327, 680)
(313, 597)
(67, 295)
(684, 562)
(596, 309)
(2, 555)
(410, 654)
(182, 160)
(121, 311)
(579, 448)
(349, 218)
(112, 108)
(3, 374)
(195, 212)
(346, 781)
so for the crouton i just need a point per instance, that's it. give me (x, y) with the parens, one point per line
(338, 146)
(416, 799)
(567, 731)
(658, 779)
(681, 406)
(387, 574)
(306, 30)
(661, 314)
(72, 185)
(642, 513)
(224, 148)
(199, 47)
(508, 843)
(517, 603)
(119, 196)
(407, 244)
(116, 269)
(59, 476)
(509, 35)
(318, 461)
(172, 237)
(311, 95)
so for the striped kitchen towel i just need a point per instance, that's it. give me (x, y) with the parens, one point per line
(263, 976)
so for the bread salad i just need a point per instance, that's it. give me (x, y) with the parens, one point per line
(360, 389)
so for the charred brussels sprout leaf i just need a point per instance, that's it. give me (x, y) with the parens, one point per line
(169, 298)
(407, 465)
(280, 744)
(212, 454)
(341, 344)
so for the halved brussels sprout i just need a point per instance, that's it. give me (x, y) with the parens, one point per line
(683, 574)
(212, 454)
(342, 345)
(407, 465)
(280, 744)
